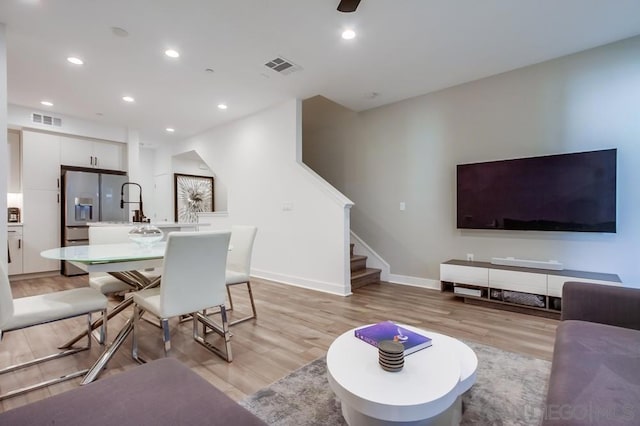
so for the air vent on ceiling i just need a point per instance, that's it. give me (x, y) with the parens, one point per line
(283, 66)
(47, 120)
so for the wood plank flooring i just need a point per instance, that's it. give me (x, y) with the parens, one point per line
(294, 327)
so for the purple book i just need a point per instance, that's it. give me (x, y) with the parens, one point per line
(387, 330)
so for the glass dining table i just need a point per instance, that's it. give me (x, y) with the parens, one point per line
(123, 261)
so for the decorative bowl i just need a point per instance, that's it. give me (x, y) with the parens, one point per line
(146, 234)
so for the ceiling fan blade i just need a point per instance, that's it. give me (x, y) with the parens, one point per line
(348, 5)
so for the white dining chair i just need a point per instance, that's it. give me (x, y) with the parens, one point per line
(102, 281)
(24, 312)
(238, 268)
(193, 280)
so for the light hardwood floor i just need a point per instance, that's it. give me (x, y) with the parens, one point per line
(294, 327)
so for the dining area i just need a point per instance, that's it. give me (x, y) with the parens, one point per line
(180, 283)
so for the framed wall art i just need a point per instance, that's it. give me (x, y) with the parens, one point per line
(192, 194)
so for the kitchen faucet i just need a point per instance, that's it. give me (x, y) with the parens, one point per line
(138, 214)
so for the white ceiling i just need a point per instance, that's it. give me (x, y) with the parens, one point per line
(404, 48)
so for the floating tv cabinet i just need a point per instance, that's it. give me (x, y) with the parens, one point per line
(512, 285)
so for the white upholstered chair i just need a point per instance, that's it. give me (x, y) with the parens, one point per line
(102, 281)
(239, 264)
(23, 312)
(193, 280)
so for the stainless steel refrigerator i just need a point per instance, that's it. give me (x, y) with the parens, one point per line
(88, 197)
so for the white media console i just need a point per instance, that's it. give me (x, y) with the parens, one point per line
(518, 286)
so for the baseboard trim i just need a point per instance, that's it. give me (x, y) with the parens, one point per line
(325, 287)
(414, 281)
(33, 275)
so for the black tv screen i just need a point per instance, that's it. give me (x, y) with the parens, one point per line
(565, 192)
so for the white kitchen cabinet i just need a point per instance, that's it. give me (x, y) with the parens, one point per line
(95, 154)
(14, 236)
(15, 160)
(40, 161)
(41, 229)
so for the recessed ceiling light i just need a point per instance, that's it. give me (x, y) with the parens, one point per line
(46, 103)
(222, 106)
(348, 34)
(170, 129)
(128, 99)
(172, 53)
(75, 61)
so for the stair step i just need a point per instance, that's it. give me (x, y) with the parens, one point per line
(358, 263)
(364, 277)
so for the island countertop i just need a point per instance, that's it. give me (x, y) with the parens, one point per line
(178, 225)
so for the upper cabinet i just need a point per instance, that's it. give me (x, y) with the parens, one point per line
(95, 154)
(15, 162)
(40, 161)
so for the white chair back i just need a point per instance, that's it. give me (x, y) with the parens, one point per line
(194, 272)
(6, 299)
(109, 234)
(242, 238)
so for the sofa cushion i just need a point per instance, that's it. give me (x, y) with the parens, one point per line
(595, 376)
(162, 392)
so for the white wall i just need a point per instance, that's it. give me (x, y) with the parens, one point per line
(303, 224)
(407, 152)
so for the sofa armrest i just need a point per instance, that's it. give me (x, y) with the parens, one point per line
(605, 304)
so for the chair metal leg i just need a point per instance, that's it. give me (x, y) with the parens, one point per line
(254, 314)
(134, 334)
(68, 351)
(166, 336)
(230, 299)
(89, 330)
(101, 335)
(221, 330)
(44, 384)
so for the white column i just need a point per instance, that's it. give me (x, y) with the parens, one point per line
(4, 161)
(133, 166)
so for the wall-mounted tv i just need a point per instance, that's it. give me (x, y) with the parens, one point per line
(565, 192)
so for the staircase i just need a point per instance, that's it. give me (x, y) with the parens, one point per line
(360, 274)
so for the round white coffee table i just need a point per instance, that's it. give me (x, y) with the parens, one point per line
(426, 391)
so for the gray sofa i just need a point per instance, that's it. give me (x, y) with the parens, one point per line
(595, 373)
(162, 392)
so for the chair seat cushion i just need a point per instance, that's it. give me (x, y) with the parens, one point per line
(106, 284)
(149, 300)
(53, 306)
(162, 392)
(234, 277)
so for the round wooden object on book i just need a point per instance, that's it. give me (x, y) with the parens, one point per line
(391, 355)
(391, 369)
(391, 347)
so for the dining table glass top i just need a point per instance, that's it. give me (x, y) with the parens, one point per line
(107, 253)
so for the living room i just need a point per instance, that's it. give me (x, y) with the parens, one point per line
(404, 152)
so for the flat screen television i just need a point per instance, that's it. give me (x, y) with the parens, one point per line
(565, 192)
